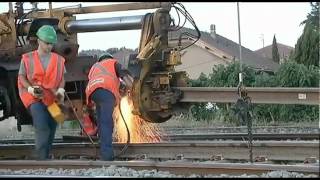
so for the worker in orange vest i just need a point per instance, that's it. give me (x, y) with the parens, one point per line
(103, 91)
(41, 83)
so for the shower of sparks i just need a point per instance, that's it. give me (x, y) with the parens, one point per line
(140, 130)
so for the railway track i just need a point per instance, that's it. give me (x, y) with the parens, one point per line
(213, 150)
(182, 156)
(179, 168)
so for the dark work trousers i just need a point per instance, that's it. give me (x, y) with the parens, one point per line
(105, 102)
(45, 128)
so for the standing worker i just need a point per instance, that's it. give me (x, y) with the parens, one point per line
(103, 90)
(41, 83)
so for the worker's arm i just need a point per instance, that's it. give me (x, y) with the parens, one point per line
(25, 82)
(128, 80)
(60, 91)
(23, 76)
(62, 83)
(125, 75)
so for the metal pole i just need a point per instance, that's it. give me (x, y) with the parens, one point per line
(244, 98)
(262, 39)
(10, 8)
(50, 9)
(105, 24)
(240, 57)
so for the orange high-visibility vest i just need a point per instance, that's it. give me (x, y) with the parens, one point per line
(49, 79)
(103, 75)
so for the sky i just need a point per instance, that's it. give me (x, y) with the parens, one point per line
(258, 22)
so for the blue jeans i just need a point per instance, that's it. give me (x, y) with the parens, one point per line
(105, 102)
(45, 128)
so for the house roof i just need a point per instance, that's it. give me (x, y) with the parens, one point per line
(284, 51)
(249, 57)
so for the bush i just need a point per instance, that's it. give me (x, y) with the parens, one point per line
(290, 74)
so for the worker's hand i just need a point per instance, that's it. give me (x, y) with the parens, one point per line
(35, 91)
(129, 92)
(122, 89)
(60, 95)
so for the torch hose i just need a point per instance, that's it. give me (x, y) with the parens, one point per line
(128, 134)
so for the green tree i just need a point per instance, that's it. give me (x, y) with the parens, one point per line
(275, 51)
(307, 47)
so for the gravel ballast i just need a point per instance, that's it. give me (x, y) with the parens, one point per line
(114, 171)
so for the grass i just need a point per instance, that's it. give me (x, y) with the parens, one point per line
(181, 121)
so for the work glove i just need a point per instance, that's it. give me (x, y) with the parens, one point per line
(35, 91)
(60, 95)
(122, 89)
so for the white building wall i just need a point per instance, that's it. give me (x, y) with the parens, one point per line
(196, 60)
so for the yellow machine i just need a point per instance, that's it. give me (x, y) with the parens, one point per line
(153, 67)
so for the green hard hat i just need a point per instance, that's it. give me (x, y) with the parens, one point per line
(47, 34)
(105, 56)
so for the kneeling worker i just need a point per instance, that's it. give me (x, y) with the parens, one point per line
(103, 90)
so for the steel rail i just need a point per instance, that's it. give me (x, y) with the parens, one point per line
(256, 130)
(241, 136)
(271, 150)
(178, 168)
(258, 95)
(212, 136)
(227, 128)
(174, 135)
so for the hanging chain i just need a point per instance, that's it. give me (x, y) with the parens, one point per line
(242, 109)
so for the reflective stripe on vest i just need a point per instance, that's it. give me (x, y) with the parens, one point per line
(104, 71)
(43, 77)
(103, 75)
(31, 65)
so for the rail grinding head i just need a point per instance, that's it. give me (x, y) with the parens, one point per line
(153, 97)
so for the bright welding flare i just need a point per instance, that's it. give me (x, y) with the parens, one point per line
(140, 130)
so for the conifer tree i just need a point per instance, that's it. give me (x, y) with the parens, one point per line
(307, 47)
(275, 51)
